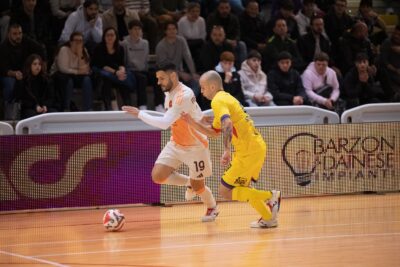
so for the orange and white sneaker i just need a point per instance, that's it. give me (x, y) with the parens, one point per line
(211, 215)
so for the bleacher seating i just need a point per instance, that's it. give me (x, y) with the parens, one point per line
(372, 113)
(6, 129)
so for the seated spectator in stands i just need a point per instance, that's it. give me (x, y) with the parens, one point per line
(303, 18)
(71, 70)
(174, 49)
(167, 10)
(34, 92)
(359, 86)
(280, 42)
(4, 19)
(352, 43)
(389, 66)
(254, 81)
(277, 4)
(87, 21)
(230, 22)
(325, 5)
(286, 12)
(213, 48)
(13, 53)
(109, 63)
(60, 11)
(193, 28)
(150, 26)
(373, 21)
(321, 83)
(230, 77)
(337, 22)
(285, 83)
(136, 60)
(314, 42)
(252, 27)
(118, 17)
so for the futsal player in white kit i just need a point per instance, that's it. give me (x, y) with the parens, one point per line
(186, 146)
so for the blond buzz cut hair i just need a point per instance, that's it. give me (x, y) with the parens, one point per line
(212, 77)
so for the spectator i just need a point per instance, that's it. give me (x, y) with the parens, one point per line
(314, 42)
(118, 17)
(86, 20)
(109, 63)
(286, 12)
(33, 91)
(285, 83)
(277, 4)
(150, 26)
(359, 86)
(352, 43)
(168, 10)
(337, 22)
(303, 18)
(254, 81)
(320, 83)
(373, 22)
(213, 48)
(174, 49)
(389, 66)
(193, 28)
(13, 53)
(60, 10)
(136, 60)
(280, 42)
(71, 70)
(253, 28)
(230, 22)
(230, 77)
(4, 19)
(325, 5)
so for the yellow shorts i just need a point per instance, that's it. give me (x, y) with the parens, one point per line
(245, 167)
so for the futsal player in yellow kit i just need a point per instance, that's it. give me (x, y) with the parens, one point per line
(237, 129)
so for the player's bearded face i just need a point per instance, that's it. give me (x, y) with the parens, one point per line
(164, 81)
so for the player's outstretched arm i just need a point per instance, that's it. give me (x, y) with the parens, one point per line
(200, 126)
(163, 122)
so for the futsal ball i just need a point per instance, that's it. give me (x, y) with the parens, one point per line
(113, 220)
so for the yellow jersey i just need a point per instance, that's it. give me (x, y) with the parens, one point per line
(245, 137)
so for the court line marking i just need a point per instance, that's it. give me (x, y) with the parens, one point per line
(33, 259)
(179, 235)
(215, 244)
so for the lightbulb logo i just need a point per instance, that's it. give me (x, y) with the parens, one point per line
(297, 153)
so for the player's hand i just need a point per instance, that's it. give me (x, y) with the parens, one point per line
(207, 119)
(131, 110)
(226, 158)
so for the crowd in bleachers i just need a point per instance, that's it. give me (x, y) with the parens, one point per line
(268, 53)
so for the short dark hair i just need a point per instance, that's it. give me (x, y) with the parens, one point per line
(361, 57)
(14, 26)
(315, 17)
(284, 55)
(192, 5)
(88, 3)
(321, 57)
(287, 5)
(166, 66)
(135, 23)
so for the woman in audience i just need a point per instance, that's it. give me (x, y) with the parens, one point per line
(108, 63)
(72, 70)
(34, 92)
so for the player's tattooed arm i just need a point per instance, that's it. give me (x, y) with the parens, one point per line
(227, 130)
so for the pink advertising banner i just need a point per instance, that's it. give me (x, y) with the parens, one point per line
(77, 170)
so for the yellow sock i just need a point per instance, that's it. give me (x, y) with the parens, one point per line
(256, 198)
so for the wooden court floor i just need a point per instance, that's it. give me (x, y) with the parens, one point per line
(352, 230)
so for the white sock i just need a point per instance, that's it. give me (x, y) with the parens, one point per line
(177, 179)
(208, 198)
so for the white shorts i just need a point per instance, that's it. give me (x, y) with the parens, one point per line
(196, 158)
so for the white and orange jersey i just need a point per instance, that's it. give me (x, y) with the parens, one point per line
(181, 99)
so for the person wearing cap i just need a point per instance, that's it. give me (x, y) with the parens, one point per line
(254, 81)
(359, 86)
(230, 77)
(285, 83)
